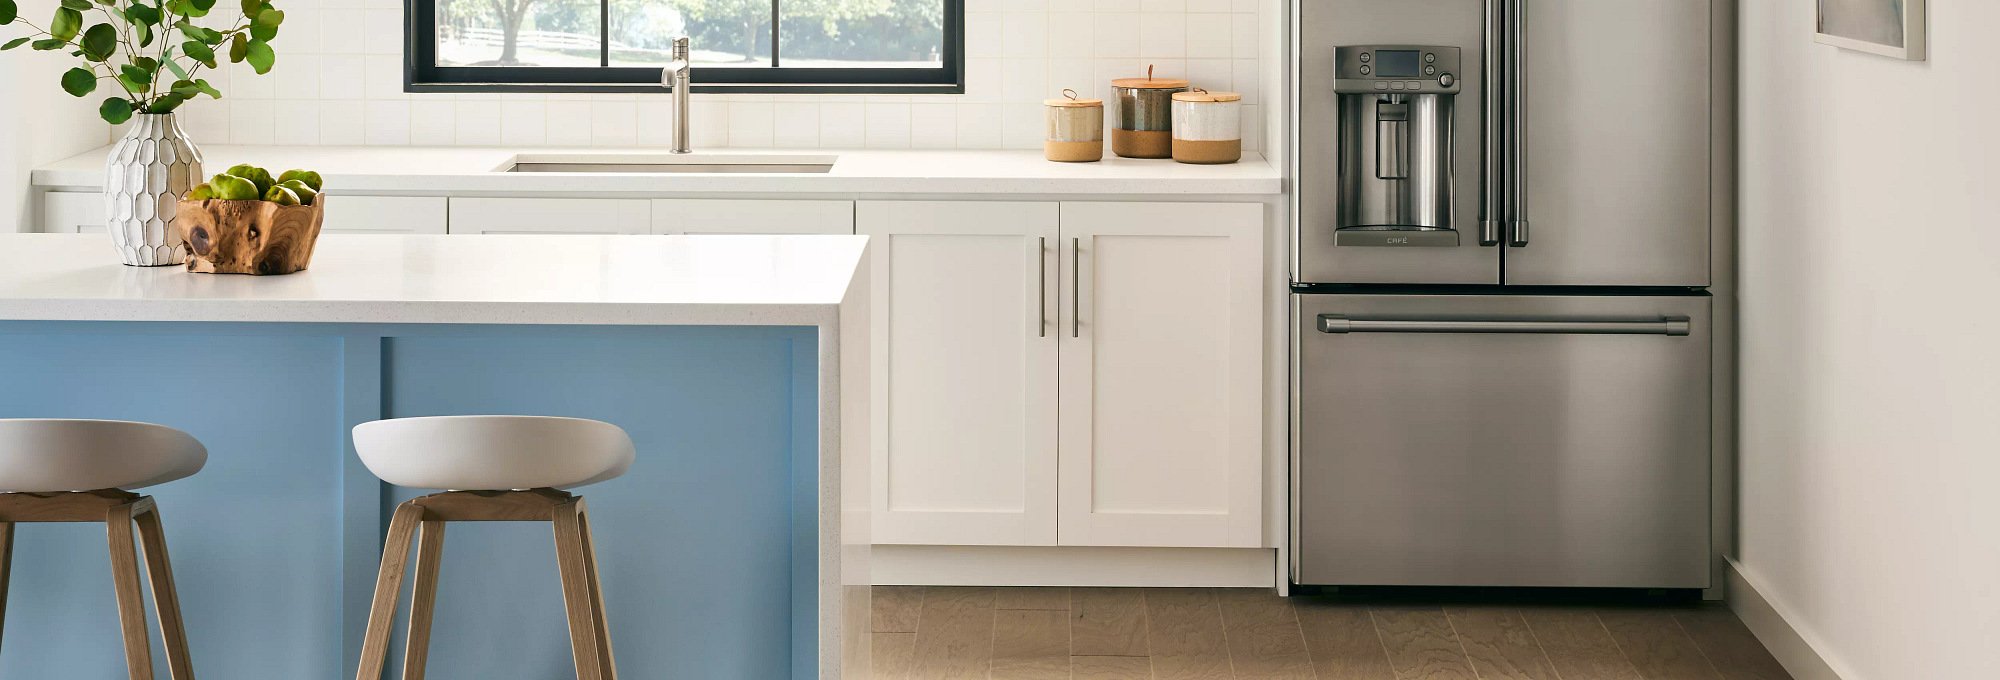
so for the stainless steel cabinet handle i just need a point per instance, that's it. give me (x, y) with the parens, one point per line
(1075, 287)
(1517, 114)
(1041, 286)
(1672, 325)
(1493, 118)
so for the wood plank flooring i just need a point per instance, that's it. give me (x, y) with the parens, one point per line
(939, 633)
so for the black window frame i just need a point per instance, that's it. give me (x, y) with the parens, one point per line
(422, 74)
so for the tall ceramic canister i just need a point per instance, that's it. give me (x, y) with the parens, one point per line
(1076, 129)
(1208, 127)
(1144, 116)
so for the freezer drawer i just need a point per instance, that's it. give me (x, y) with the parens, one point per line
(1490, 440)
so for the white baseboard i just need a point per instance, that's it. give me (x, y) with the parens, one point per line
(959, 565)
(1770, 622)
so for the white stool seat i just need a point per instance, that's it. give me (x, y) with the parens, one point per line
(54, 455)
(490, 453)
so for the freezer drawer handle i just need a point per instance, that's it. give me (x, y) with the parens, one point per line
(1672, 325)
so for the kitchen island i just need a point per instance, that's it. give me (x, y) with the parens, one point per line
(724, 551)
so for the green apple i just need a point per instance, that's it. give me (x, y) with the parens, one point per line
(305, 192)
(232, 188)
(281, 196)
(256, 175)
(308, 177)
(200, 192)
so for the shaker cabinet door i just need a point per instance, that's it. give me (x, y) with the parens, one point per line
(963, 372)
(1161, 382)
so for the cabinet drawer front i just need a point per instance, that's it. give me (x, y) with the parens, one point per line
(729, 216)
(550, 216)
(963, 372)
(384, 214)
(73, 212)
(1503, 440)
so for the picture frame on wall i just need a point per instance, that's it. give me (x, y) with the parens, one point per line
(1891, 28)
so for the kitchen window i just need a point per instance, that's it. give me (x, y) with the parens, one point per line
(797, 46)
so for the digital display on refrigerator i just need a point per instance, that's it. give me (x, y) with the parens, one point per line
(1396, 63)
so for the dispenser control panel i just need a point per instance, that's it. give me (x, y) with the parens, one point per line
(1424, 69)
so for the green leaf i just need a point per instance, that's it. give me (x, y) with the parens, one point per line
(135, 79)
(66, 24)
(115, 110)
(143, 14)
(207, 89)
(78, 5)
(203, 5)
(11, 44)
(199, 52)
(239, 47)
(207, 36)
(99, 42)
(175, 66)
(261, 57)
(251, 8)
(47, 44)
(149, 64)
(79, 81)
(167, 103)
(145, 34)
(265, 26)
(8, 12)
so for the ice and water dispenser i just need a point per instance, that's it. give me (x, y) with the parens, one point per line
(1395, 145)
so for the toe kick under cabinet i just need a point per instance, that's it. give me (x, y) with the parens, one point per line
(1076, 374)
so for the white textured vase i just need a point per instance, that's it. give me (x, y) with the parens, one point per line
(149, 170)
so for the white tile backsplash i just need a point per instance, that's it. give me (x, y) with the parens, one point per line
(339, 80)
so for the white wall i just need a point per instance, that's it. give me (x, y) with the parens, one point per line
(41, 123)
(1871, 341)
(339, 81)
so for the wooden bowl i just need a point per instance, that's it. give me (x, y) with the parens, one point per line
(249, 237)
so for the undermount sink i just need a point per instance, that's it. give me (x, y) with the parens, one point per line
(672, 164)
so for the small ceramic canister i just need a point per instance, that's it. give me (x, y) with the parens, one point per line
(1145, 117)
(1208, 127)
(1076, 129)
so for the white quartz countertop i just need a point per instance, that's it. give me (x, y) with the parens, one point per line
(449, 170)
(498, 279)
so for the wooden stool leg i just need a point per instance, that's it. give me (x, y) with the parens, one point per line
(423, 599)
(125, 580)
(576, 591)
(388, 585)
(604, 657)
(166, 600)
(6, 567)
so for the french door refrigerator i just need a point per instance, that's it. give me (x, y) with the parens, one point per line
(1503, 354)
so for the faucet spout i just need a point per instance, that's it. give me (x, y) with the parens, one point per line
(678, 75)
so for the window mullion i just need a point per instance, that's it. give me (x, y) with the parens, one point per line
(604, 33)
(776, 18)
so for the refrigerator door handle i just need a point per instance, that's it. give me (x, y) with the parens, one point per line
(1517, 115)
(1676, 326)
(1493, 117)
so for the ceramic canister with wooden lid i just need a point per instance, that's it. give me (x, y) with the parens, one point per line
(1075, 130)
(1208, 127)
(1144, 116)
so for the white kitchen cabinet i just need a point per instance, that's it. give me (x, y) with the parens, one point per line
(733, 216)
(1161, 379)
(963, 371)
(73, 212)
(550, 216)
(1089, 374)
(385, 214)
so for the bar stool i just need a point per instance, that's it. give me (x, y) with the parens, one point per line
(43, 463)
(495, 469)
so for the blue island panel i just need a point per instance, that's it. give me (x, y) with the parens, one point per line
(705, 545)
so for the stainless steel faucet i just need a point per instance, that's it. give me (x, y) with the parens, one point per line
(676, 75)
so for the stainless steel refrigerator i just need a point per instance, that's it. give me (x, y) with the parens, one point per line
(1505, 340)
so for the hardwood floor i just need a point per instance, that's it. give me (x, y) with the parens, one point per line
(936, 633)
